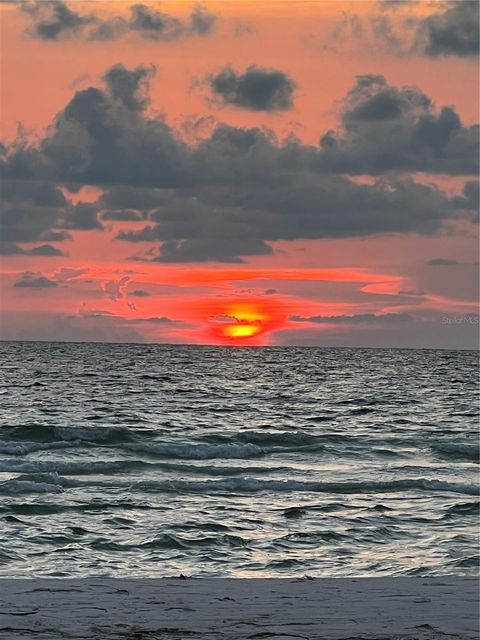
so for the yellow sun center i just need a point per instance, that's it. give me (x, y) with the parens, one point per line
(242, 330)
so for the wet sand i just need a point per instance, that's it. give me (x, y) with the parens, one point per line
(239, 609)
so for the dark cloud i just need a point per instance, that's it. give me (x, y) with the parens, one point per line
(129, 86)
(154, 320)
(81, 216)
(33, 211)
(412, 292)
(443, 262)
(139, 293)
(44, 250)
(47, 250)
(256, 89)
(239, 189)
(154, 24)
(128, 197)
(431, 331)
(451, 29)
(33, 281)
(103, 137)
(227, 223)
(122, 215)
(454, 32)
(362, 318)
(202, 21)
(469, 200)
(54, 20)
(28, 210)
(385, 128)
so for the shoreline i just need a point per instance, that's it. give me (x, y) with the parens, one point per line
(443, 608)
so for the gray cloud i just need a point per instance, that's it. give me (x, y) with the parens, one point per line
(139, 293)
(451, 29)
(443, 262)
(202, 21)
(47, 250)
(32, 281)
(385, 128)
(54, 20)
(239, 189)
(122, 215)
(224, 224)
(454, 32)
(431, 331)
(412, 292)
(155, 320)
(32, 211)
(362, 318)
(81, 216)
(469, 200)
(257, 89)
(129, 86)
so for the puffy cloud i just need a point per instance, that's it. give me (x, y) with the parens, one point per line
(103, 137)
(158, 25)
(129, 86)
(33, 281)
(225, 224)
(385, 128)
(451, 29)
(55, 20)
(454, 32)
(469, 200)
(202, 21)
(257, 89)
(239, 189)
(32, 211)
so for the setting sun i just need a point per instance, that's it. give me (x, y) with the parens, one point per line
(242, 330)
(245, 321)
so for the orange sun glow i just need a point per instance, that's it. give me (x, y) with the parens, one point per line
(244, 322)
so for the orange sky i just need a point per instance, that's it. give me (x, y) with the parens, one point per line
(93, 296)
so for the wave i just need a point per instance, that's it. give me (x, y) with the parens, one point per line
(173, 541)
(248, 444)
(462, 509)
(54, 483)
(48, 433)
(197, 451)
(111, 467)
(43, 483)
(458, 451)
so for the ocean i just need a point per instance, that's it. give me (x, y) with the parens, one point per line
(155, 460)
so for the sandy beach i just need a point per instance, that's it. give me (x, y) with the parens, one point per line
(237, 609)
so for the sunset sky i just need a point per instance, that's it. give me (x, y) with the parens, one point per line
(247, 172)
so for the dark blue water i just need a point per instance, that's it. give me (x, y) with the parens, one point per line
(134, 460)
